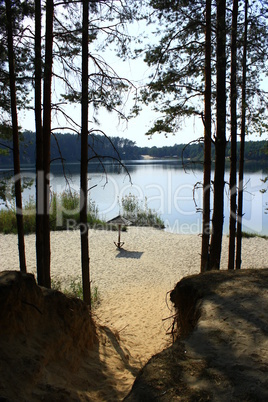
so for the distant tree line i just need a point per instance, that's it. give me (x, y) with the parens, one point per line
(66, 148)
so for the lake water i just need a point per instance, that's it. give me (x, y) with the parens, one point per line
(167, 188)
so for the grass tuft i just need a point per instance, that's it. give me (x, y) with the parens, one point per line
(248, 235)
(75, 289)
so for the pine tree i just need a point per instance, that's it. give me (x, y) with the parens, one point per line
(84, 160)
(233, 95)
(220, 140)
(40, 260)
(207, 145)
(242, 145)
(15, 130)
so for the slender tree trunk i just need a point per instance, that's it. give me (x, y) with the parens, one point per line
(220, 141)
(84, 161)
(232, 222)
(46, 137)
(242, 148)
(15, 129)
(207, 145)
(39, 148)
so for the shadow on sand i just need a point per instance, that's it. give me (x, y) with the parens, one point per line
(129, 254)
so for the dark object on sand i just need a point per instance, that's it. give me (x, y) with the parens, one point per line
(119, 221)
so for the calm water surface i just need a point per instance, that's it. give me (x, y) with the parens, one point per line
(167, 188)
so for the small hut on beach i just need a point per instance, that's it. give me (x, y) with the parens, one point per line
(119, 221)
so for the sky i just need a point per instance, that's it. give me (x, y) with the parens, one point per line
(135, 128)
(137, 72)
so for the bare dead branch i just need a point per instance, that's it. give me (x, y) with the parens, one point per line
(62, 163)
(6, 146)
(198, 141)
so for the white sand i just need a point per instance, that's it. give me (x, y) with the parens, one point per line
(133, 283)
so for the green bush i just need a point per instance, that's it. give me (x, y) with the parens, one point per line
(64, 207)
(29, 216)
(139, 214)
(8, 222)
(67, 207)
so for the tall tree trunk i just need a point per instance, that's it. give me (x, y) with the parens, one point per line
(46, 137)
(15, 129)
(84, 161)
(242, 148)
(39, 148)
(232, 222)
(220, 141)
(207, 145)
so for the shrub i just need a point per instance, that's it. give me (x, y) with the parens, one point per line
(66, 206)
(8, 222)
(139, 214)
(29, 220)
(63, 207)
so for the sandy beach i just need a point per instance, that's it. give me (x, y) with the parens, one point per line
(133, 283)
